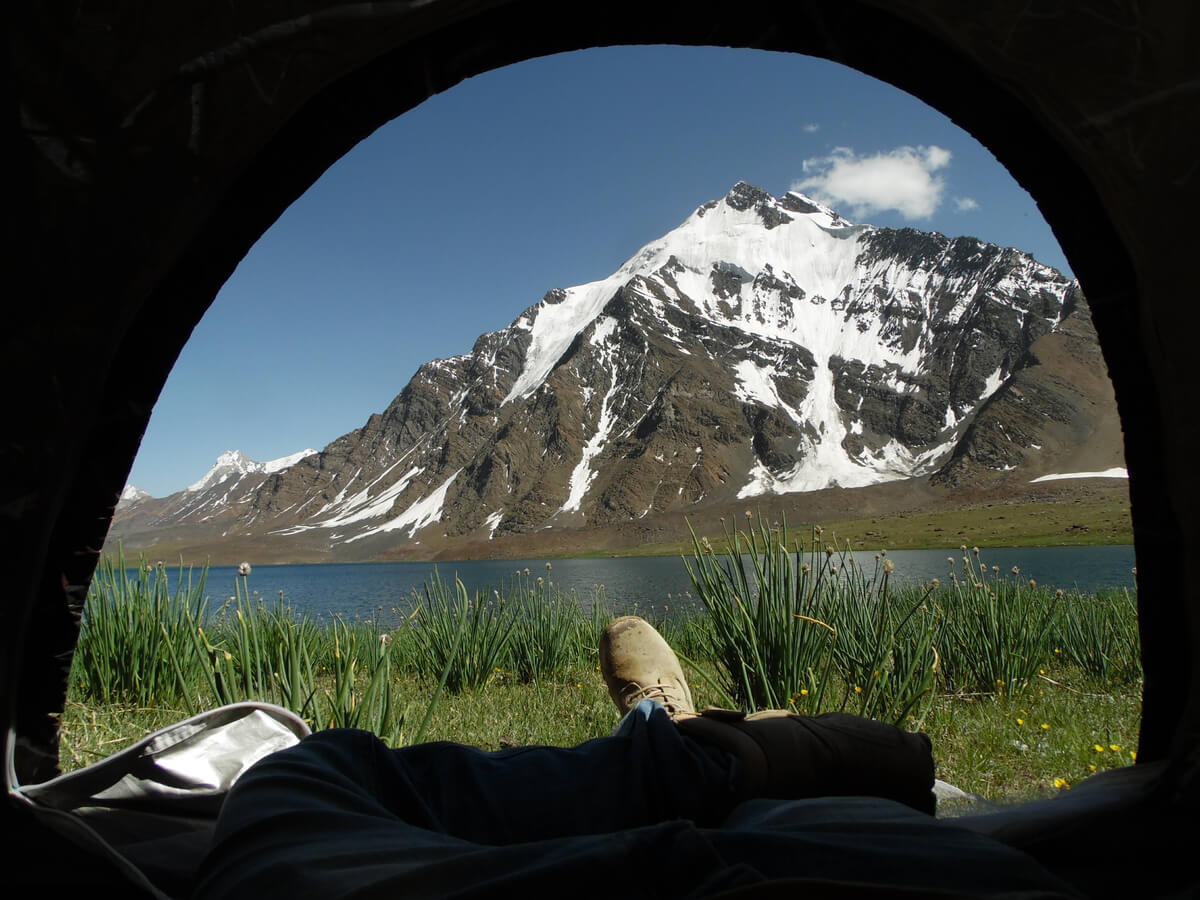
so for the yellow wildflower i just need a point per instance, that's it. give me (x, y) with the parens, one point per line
(1098, 748)
(1115, 748)
(1045, 726)
(1060, 783)
(1020, 721)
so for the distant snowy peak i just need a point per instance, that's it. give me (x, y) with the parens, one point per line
(235, 463)
(228, 464)
(132, 495)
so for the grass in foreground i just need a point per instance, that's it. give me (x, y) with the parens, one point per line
(992, 745)
(1024, 691)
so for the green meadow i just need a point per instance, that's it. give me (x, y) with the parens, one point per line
(1024, 691)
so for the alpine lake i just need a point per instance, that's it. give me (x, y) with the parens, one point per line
(655, 587)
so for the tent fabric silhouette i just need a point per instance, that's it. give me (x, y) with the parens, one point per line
(150, 145)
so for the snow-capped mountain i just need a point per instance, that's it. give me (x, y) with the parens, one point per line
(766, 346)
(236, 464)
(230, 482)
(130, 495)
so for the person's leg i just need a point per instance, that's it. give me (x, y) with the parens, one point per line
(778, 754)
(645, 772)
(342, 810)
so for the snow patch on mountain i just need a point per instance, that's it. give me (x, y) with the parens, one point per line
(581, 477)
(424, 512)
(493, 522)
(276, 465)
(1115, 472)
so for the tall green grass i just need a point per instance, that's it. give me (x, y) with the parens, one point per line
(997, 628)
(801, 624)
(797, 624)
(133, 642)
(463, 636)
(549, 634)
(782, 621)
(1099, 633)
(767, 615)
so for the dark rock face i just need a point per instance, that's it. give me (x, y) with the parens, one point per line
(747, 196)
(693, 376)
(1056, 400)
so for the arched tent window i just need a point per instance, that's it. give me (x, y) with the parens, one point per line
(143, 209)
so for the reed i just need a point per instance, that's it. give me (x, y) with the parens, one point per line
(767, 615)
(462, 636)
(807, 628)
(546, 642)
(132, 645)
(996, 628)
(783, 622)
(1099, 633)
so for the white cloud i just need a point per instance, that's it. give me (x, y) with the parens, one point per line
(902, 179)
(965, 204)
(812, 127)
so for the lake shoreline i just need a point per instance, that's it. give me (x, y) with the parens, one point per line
(1078, 516)
(658, 585)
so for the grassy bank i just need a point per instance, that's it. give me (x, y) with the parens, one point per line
(1017, 686)
(1079, 523)
(992, 745)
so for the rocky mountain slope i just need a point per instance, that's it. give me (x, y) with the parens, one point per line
(766, 347)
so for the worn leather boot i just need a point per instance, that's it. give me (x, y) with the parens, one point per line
(637, 664)
(789, 757)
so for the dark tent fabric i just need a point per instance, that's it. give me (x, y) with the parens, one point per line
(150, 145)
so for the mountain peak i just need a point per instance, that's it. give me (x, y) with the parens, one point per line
(131, 495)
(775, 211)
(743, 195)
(236, 463)
(765, 346)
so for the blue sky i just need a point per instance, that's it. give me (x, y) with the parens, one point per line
(452, 219)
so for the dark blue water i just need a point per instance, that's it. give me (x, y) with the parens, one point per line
(653, 585)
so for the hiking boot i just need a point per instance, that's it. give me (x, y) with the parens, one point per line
(637, 664)
(789, 757)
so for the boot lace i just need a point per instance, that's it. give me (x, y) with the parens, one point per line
(666, 694)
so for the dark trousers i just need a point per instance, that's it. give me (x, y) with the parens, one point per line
(643, 813)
